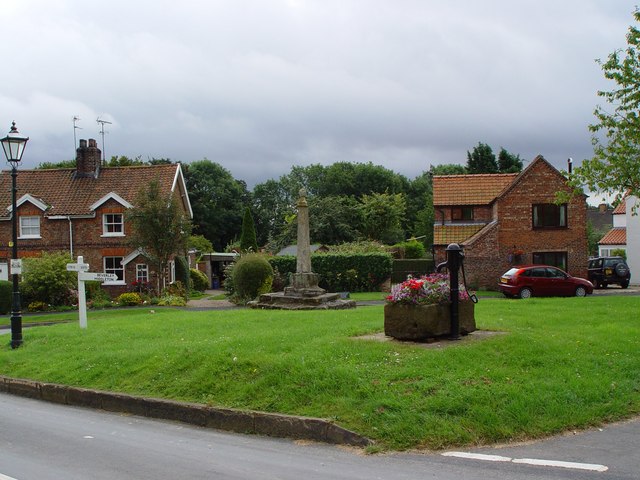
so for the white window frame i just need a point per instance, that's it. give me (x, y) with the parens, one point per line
(25, 219)
(106, 224)
(114, 269)
(142, 268)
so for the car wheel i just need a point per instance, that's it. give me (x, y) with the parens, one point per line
(526, 293)
(581, 292)
(621, 270)
(601, 285)
(604, 284)
(624, 284)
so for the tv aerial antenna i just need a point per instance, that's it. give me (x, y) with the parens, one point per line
(75, 127)
(102, 123)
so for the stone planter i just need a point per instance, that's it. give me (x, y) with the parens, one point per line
(422, 322)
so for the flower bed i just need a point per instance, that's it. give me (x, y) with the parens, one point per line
(419, 309)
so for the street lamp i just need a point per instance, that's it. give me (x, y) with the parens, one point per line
(13, 145)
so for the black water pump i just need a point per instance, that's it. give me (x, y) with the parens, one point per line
(455, 261)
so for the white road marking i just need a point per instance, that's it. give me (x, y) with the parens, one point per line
(4, 477)
(477, 456)
(553, 463)
(529, 461)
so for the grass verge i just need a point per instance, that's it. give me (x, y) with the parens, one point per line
(561, 364)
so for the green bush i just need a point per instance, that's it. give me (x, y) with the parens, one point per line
(199, 280)
(412, 249)
(340, 272)
(46, 279)
(182, 272)
(38, 306)
(176, 289)
(169, 300)
(619, 252)
(6, 296)
(129, 299)
(252, 276)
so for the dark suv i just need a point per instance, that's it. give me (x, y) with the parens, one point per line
(604, 271)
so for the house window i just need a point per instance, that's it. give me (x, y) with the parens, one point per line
(114, 265)
(30, 227)
(142, 273)
(462, 213)
(549, 215)
(555, 259)
(112, 225)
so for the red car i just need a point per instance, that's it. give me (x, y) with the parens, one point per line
(542, 281)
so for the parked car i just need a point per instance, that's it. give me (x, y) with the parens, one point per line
(604, 271)
(542, 280)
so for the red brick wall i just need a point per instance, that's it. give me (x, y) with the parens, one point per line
(491, 255)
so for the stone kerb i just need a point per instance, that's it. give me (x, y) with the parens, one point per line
(240, 421)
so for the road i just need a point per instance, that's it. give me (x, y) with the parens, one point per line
(39, 440)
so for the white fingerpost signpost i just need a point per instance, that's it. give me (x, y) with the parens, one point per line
(83, 275)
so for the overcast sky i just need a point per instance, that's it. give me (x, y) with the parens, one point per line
(261, 85)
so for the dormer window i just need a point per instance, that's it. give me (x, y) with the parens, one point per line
(112, 225)
(30, 227)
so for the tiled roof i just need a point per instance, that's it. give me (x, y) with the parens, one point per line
(622, 207)
(478, 189)
(446, 234)
(615, 236)
(65, 194)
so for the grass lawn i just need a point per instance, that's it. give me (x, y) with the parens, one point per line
(562, 363)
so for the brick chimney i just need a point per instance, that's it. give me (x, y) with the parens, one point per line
(88, 159)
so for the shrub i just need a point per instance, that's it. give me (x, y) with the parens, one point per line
(252, 276)
(199, 280)
(412, 249)
(129, 299)
(619, 252)
(169, 300)
(6, 296)
(362, 272)
(46, 279)
(176, 289)
(182, 273)
(38, 306)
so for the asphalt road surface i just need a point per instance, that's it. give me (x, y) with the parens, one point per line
(39, 440)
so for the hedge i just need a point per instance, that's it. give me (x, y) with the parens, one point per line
(363, 272)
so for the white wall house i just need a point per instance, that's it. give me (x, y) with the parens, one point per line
(633, 238)
(616, 238)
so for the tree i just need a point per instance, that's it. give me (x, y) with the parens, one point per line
(62, 164)
(217, 200)
(448, 169)
(124, 161)
(200, 244)
(508, 162)
(159, 227)
(382, 216)
(248, 242)
(615, 136)
(334, 219)
(481, 159)
(271, 203)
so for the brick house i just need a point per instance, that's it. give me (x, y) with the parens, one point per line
(507, 219)
(81, 211)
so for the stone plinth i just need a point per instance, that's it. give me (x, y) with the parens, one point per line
(422, 322)
(304, 285)
(283, 301)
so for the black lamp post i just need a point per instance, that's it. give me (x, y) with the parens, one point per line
(13, 145)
